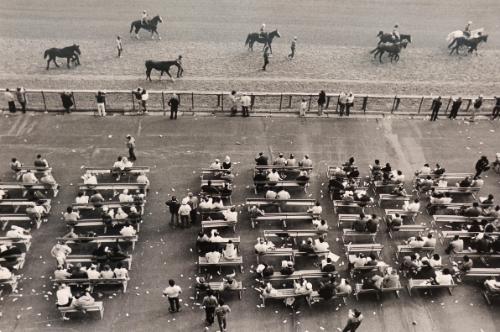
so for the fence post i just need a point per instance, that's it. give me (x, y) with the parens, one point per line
(281, 101)
(74, 101)
(218, 100)
(365, 102)
(44, 102)
(310, 100)
(327, 102)
(163, 103)
(222, 102)
(133, 101)
(446, 110)
(290, 101)
(252, 101)
(192, 101)
(337, 107)
(420, 106)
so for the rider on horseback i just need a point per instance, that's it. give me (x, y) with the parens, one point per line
(263, 30)
(395, 33)
(467, 30)
(144, 19)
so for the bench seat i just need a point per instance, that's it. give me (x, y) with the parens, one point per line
(101, 239)
(406, 249)
(237, 262)
(34, 186)
(96, 306)
(94, 282)
(307, 274)
(284, 217)
(90, 259)
(218, 224)
(425, 284)
(282, 294)
(349, 234)
(378, 292)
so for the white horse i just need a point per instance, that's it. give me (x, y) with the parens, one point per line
(459, 33)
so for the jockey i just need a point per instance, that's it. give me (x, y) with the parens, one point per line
(144, 18)
(395, 33)
(467, 30)
(262, 29)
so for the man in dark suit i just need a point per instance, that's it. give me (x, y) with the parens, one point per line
(436, 105)
(455, 107)
(262, 160)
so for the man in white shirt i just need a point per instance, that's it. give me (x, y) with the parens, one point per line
(413, 206)
(128, 231)
(92, 273)
(246, 103)
(61, 273)
(271, 194)
(59, 252)
(5, 273)
(118, 168)
(29, 177)
(231, 215)
(124, 197)
(213, 257)
(206, 204)
(316, 210)
(64, 296)
(425, 170)
(320, 245)
(306, 162)
(320, 225)
(172, 292)
(280, 161)
(184, 213)
(429, 241)
(18, 232)
(70, 216)
(274, 176)
(89, 178)
(216, 164)
(142, 178)
(283, 194)
(82, 198)
(120, 272)
(262, 246)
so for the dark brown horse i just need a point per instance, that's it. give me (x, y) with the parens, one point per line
(265, 38)
(70, 53)
(150, 25)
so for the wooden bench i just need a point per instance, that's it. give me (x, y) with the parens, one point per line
(406, 249)
(339, 206)
(402, 213)
(21, 259)
(113, 186)
(101, 239)
(462, 234)
(38, 171)
(237, 262)
(128, 170)
(291, 233)
(346, 220)
(109, 205)
(90, 259)
(445, 176)
(419, 229)
(378, 292)
(282, 168)
(91, 283)
(296, 275)
(477, 272)
(16, 241)
(208, 224)
(18, 203)
(284, 217)
(24, 187)
(96, 306)
(260, 202)
(453, 190)
(280, 184)
(5, 219)
(353, 234)
(282, 294)
(425, 284)
(453, 219)
(383, 188)
(94, 223)
(218, 286)
(290, 253)
(351, 248)
(315, 298)
(393, 199)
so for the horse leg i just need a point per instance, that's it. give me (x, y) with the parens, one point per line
(54, 60)
(168, 73)
(48, 63)
(451, 44)
(380, 57)
(148, 74)
(67, 61)
(158, 35)
(137, 32)
(77, 59)
(270, 48)
(161, 73)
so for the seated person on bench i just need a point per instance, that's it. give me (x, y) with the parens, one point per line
(320, 225)
(81, 198)
(60, 251)
(477, 182)
(301, 286)
(372, 224)
(61, 273)
(78, 271)
(261, 160)
(213, 257)
(271, 194)
(274, 177)
(142, 178)
(269, 290)
(302, 178)
(107, 273)
(362, 198)
(473, 211)
(394, 222)
(492, 285)
(391, 279)
(320, 245)
(287, 268)
(415, 242)
(430, 241)
(426, 271)
(256, 212)
(17, 232)
(376, 170)
(92, 272)
(118, 168)
(410, 265)
(89, 178)
(128, 230)
(423, 185)
(125, 197)
(38, 211)
(263, 246)
(264, 270)
(83, 300)
(260, 176)
(359, 225)
(64, 296)
(444, 277)
(291, 161)
(306, 161)
(120, 214)
(70, 216)
(209, 189)
(230, 252)
(425, 170)
(466, 182)
(413, 206)
(15, 165)
(283, 195)
(120, 272)
(344, 287)
(47, 178)
(327, 265)
(231, 215)
(316, 210)
(230, 282)
(96, 198)
(399, 190)
(398, 178)
(438, 170)
(455, 246)
(326, 290)
(307, 246)
(435, 261)
(216, 165)
(280, 161)
(29, 178)
(40, 162)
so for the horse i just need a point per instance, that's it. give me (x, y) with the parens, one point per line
(470, 43)
(389, 38)
(151, 25)
(163, 66)
(392, 49)
(70, 53)
(267, 39)
(459, 33)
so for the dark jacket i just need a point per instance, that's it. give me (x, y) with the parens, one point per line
(173, 206)
(174, 104)
(67, 100)
(262, 160)
(321, 98)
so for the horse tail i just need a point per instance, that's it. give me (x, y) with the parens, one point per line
(46, 54)
(248, 39)
(132, 27)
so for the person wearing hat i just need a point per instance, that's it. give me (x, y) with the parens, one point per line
(185, 213)
(144, 17)
(292, 48)
(216, 164)
(131, 148)
(280, 161)
(467, 30)
(395, 33)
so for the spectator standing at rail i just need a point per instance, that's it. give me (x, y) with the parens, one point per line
(292, 48)
(10, 100)
(349, 103)
(342, 103)
(174, 106)
(303, 107)
(101, 103)
(233, 98)
(21, 98)
(455, 107)
(266, 57)
(246, 102)
(131, 148)
(436, 105)
(496, 109)
(119, 46)
(321, 102)
(67, 101)
(478, 102)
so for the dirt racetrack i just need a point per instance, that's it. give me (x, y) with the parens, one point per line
(334, 40)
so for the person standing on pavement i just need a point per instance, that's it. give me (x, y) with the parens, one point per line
(67, 101)
(234, 102)
(221, 311)
(266, 57)
(131, 148)
(246, 102)
(101, 103)
(210, 303)
(172, 292)
(21, 98)
(193, 203)
(342, 103)
(436, 105)
(119, 46)
(173, 206)
(349, 103)
(455, 107)
(174, 106)
(353, 321)
(292, 48)
(10, 100)
(321, 102)
(303, 107)
(478, 102)
(496, 109)
(185, 213)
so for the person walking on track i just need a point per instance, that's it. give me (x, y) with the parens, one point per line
(292, 48)
(131, 148)
(266, 57)
(119, 46)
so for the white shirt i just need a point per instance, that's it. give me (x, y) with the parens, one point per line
(184, 210)
(128, 231)
(273, 176)
(316, 209)
(283, 194)
(412, 207)
(318, 246)
(93, 274)
(61, 274)
(230, 251)
(443, 279)
(119, 164)
(213, 257)
(82, 200)
(29, 178)
(246, 101)
(107, 274)
(231, 216)
(125, 198)
(64, 295)
(142, 179)
(172, 291)
(271, 194)
(121, 273)
(425, 170)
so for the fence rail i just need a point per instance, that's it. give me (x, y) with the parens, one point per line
(124, 101)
